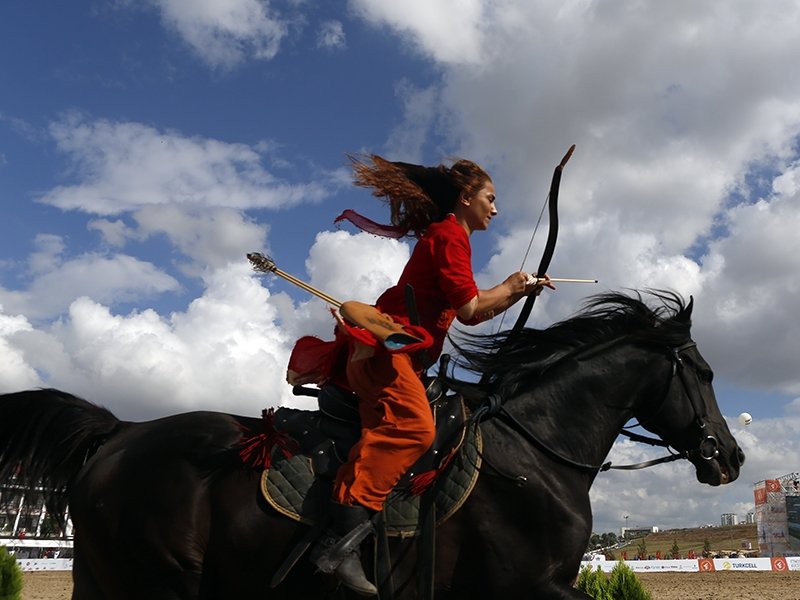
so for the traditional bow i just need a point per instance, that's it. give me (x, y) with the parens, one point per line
(552, 236)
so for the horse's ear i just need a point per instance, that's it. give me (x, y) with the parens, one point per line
(685, 315)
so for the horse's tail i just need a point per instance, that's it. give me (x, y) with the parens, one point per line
(47, 435)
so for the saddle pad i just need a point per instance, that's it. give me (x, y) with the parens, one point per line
(290, 487)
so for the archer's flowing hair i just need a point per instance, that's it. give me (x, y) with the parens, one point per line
(417, 195)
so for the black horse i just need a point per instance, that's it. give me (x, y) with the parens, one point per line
(165, 510)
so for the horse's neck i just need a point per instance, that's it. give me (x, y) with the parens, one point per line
(584, 405)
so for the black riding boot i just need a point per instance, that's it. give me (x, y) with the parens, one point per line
(347, 519)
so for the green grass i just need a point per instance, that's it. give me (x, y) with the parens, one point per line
(721, 539)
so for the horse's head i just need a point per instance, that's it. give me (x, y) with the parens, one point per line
(689, 418)
(619, 357)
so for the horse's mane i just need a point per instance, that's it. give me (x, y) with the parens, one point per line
(509, 360)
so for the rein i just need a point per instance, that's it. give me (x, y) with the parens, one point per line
(707, 449)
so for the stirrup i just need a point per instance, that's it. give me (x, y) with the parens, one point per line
(332, 549)
(342, 556)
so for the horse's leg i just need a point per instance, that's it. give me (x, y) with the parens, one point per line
(514, 542)
(136, 549)
(84, 586)
(263, 539)
(141, 523)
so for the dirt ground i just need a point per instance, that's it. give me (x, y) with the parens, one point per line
(725, 585)
(47, 585)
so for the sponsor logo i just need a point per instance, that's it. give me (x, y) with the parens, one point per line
(779, 564)
(706, 565)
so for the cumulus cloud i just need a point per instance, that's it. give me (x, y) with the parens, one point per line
(228, 350)
(346, 267)
(449, 31)
(766, 311)
(15, 372)
(223, 352)
(58, 280)
(122, 166)
(223, 33)
(208, 238)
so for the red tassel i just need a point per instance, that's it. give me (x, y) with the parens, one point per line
(256, 450)
(421, 482)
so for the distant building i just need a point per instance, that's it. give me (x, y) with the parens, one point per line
(27, 530)
(777, 515)
(23, 514)
(729, 519)
(750, 518)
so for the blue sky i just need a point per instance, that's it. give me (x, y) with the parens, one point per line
(145, 147)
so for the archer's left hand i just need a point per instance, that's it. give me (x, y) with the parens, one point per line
(535, 285)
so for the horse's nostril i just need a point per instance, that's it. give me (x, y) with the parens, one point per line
(740, 454)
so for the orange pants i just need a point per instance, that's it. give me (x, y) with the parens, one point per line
(396, 428)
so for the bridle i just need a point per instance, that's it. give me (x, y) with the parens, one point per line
(707, 449)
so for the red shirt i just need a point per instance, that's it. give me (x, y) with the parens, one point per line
(440, 271)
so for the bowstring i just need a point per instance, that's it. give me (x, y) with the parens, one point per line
(527, 251)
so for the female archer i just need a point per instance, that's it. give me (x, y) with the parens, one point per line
(441, 206)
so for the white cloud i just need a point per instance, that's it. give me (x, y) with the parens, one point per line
(225, 32)
(356, 267)
(787, 184)
(115, 233)
(15, 372)
(125, 166)
(450, 31)
(227, 351)
(47, 256)
(224, 352)
(207, 238)
(752, 299)
(110, 279)
(345, 267)
(406, 141)
(331, 36)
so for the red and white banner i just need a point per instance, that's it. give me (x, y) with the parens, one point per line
(702, 565)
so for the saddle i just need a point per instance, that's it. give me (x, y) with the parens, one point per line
(302, 450)
(298, 484)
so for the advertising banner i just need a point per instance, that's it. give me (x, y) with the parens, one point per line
(45, 564)
(702, 565)
(648, 566)
(742, 564)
